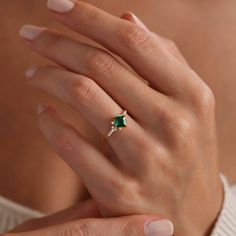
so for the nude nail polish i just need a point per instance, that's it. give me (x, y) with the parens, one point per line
(60, 6)
(159, 228)
(31, 71)
(42, 108)
(31, 32)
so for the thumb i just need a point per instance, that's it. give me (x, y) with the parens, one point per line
(119, 226)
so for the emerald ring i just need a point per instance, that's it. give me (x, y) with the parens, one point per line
(118, 122)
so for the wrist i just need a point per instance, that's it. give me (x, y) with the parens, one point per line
(200, 217)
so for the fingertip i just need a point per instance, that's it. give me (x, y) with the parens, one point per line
(43, 108)
(30, 72)
(159, 227)
(31, 32)
(130, 16)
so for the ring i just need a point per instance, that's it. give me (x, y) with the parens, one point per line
(118, 122)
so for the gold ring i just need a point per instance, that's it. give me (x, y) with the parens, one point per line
(118, 122)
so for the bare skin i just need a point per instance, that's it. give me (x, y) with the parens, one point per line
(203, 33)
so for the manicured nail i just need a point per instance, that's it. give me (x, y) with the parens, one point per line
(60, 6)
(31, 32)
(31, 71)
(159, 228)
(136, 20)
(42, 108)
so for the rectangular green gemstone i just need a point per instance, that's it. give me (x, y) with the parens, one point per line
(119, 121)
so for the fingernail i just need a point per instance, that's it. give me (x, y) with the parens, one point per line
(41, 108)
(137, 20)
(60, 6)
(31, 32)
(159, 228)
(31, 71)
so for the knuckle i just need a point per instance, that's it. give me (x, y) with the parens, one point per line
(172, 117)
(164, 115)
(119, 185)
(89, 14)
(115, 199)
(180, 125)
(100, 62)
(64, 142)
(135, 37)
(206, 97)
(183, 133)
(183, 127)
(74, 230)
(128, 193)
(83, 91)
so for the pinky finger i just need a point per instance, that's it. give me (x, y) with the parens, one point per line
(94, 169)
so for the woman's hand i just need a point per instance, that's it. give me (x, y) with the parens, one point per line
(81, 220)
(165, 160)
(119, 226)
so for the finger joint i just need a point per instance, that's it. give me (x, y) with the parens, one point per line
(100, 62)
(64, 142)
(135, 37)
(83, 91)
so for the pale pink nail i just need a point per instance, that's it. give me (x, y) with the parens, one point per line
(137, 20)
(31, 71)
(159, 228)
(42, 108)
(31, 32)
(60, 6)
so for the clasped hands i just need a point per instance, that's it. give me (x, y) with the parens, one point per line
(164, 163)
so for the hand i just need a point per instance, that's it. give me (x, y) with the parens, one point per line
(72, 222)
(165, 160)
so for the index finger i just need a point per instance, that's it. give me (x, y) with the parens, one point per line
(136, 45)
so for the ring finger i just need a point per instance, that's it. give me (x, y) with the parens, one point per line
(83, 94)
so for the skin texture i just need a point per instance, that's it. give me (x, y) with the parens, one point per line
(83, 219)
(174, 146)
(217, 58)
(129, 225)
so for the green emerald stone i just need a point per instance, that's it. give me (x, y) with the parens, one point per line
(120, 121)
